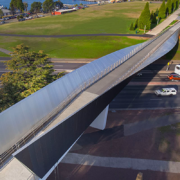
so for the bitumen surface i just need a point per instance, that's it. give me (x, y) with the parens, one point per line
(78, 35)
(57, 66)
(144, 97)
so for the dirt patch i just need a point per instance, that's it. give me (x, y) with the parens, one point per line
(137, 37)
(132, 15)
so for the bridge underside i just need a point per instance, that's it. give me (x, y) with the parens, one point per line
(41, 155)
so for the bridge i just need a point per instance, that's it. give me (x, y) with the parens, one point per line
(58, 114)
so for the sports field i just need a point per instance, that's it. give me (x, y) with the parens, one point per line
(74, 47)
(109, 18)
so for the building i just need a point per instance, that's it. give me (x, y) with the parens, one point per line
(6, 12)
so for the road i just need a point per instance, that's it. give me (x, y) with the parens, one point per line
(57, 66)
(143, 96)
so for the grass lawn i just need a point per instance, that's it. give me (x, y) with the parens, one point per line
(76, 47)
(109, 18)
(3, 54)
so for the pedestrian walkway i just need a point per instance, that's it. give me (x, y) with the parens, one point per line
(165, 23)
(5, 51)
(125, 163)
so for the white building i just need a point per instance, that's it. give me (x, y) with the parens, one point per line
(6, 12)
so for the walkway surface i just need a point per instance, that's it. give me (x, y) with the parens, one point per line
(165, 23)
(126, 163)
(78, 35)
(5, 51)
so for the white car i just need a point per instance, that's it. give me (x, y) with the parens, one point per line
(166, 92)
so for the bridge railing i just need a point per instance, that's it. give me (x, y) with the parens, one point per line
(134, 69)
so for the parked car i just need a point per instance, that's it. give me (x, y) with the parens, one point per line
(174, 77)
(22, 19)
(166, 92)
(40, 15)
(76, 8)
(6, 18)
(2, 22)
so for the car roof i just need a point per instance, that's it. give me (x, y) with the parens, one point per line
(168, 89)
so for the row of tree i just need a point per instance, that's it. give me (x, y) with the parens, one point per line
(46, 6)
(146, 18)
(29, 72)
(168, 8)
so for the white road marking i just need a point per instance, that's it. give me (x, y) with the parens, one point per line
(156, 99)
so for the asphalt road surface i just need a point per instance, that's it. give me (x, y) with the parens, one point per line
(144, 97)
(57, 66)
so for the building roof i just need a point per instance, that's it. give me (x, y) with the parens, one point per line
(6, 11)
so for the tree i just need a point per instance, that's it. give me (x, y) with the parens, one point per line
(173, 5)
(145, 18)
(177, 4)
(162, 11)
(30, 71)
(36, 7)
(58, 4)
(136, 24)
(1, 14)
(48, 5)
(157, 12)
(16, 5)
(25, 6)
(153, 18)
(20, 5)
(169, 7)
(131, 27)
(13, 6)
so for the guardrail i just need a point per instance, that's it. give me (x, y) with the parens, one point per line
(44, 122)
(133, 69)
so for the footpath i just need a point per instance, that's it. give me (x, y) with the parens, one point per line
(165, 23)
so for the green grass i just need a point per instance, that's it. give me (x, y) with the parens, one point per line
(109, 18)
(73, 47)
(173, 22)
(3, 54)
